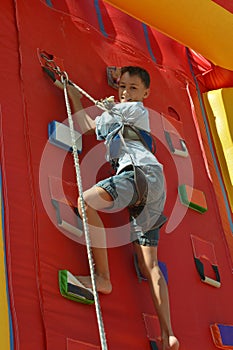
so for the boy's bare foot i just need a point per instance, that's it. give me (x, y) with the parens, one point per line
(103, 285)
(170, 343)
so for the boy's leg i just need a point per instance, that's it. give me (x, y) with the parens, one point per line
(96, 198)
(108, 193)
(148, 264)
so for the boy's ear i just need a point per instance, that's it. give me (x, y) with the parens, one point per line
(146, 93)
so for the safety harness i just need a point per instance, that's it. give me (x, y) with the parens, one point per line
(130, 132)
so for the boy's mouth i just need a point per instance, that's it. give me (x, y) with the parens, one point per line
(123, 99)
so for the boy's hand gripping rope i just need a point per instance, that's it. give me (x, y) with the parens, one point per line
(65, 81)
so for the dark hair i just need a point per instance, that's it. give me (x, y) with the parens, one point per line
(140, 72)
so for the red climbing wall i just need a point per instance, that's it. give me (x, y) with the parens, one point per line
(87, 36)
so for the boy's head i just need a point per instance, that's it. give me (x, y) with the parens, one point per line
(134, 84)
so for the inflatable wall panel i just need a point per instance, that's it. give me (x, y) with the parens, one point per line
(86, 37)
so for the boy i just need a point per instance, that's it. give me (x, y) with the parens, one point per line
(110, 193)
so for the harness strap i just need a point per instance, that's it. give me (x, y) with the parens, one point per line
(130, 134)
(133, 133)
(141, 186)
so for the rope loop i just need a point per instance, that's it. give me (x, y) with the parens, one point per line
(64, 77)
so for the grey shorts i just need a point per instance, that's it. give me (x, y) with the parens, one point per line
(122, 189)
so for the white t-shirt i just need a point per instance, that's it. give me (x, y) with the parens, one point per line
(109, 123)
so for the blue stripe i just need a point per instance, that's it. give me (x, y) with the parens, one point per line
(210, 143)
(6, 279)
(49, 3)
(148, 42)
(100, 20)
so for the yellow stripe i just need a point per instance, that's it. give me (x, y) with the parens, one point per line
(4, 317)
(219, 108)
(201, 25)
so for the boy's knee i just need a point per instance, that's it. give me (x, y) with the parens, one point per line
(143, 266)
(149, 266)
(88, 205)
(80, 206)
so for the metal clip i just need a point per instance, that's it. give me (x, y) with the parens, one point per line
(50, 62)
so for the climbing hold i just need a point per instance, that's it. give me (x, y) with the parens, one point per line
(222, 335)
(192, 198)
(71, 288)
(205, 250)
(59, 135)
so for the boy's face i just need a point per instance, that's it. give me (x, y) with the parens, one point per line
(131, 88)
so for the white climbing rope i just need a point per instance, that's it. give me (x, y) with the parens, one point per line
(65, 81)
(105, 104)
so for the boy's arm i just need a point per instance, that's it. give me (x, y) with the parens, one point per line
(85, 122)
